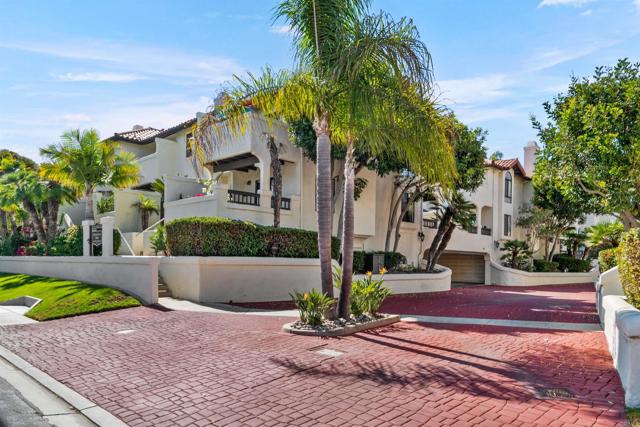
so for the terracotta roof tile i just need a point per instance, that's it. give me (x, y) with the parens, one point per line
(148, 135)
(507, 164)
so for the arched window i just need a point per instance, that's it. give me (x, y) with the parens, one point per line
(508, 187)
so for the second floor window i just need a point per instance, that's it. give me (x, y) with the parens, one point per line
(508, 187)
(507, 225)
(410, 214)
(189, 143)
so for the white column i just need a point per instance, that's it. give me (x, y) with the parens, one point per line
(108, 224)
(86, 236)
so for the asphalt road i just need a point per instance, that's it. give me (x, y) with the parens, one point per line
(15, 411)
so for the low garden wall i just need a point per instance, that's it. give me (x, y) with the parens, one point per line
(137, 276)
(239, 279)
(621, 323)
(501, 275)
(410, 283)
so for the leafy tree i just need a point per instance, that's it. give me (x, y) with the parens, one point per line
(146, 206)
(592, 142)
(573, 241)
(516, 254)
(452, 208)
(81, 162)
(496, 155)
(605, 235)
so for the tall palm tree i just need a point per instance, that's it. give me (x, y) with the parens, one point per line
(82, 162)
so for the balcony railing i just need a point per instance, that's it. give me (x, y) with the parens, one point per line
(485, 231)
(285, 203)
(244, 198)
(430, 223)
(473, 229)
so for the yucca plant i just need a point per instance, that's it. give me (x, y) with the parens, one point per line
(146, 206)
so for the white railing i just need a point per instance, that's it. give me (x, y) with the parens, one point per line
(124, 239)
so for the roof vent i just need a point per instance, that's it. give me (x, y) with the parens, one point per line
(137, 127)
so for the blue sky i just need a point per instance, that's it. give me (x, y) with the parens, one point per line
(114, 64)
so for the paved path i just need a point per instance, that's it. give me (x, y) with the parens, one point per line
(179, 368)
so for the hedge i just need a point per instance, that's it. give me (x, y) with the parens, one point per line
(607, 259)
(215, 236)
(571, 264)
(629, 265)
(391, 260)
(359, 262)
(544, 266)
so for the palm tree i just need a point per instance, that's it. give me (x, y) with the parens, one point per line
(158, 187)
(81, 162)
(146, 206)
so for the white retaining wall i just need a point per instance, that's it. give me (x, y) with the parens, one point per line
(621, 323)
(137, 276)
(501, 275)
(255, 279)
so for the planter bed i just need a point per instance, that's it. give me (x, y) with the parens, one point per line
(341, 327)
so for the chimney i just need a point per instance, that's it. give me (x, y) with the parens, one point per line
(530, 152)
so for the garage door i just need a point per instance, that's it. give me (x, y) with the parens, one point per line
(465, 268)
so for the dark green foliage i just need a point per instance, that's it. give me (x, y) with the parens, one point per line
(159, 240)
(67, 243)
(359, 262)
(544, 266)
(106, 204)
(213, 236)
(607, 259)
(629, 265)
(568, 263)
(516, 254)
(391, 260)
(10, 245)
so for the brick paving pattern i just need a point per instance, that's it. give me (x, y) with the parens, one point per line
(155, 368)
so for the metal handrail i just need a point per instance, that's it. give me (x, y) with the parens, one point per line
(153, 225)
(122, 238)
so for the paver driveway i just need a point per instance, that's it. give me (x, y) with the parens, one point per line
(156, 368)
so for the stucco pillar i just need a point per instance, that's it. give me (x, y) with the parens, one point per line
(265, 187)
(108, 224)
(86, 236)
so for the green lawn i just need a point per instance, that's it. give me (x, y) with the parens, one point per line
(634, 417)
(62, 298)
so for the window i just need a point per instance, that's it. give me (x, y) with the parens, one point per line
(189, 143)
(508, 187)
(507, 225)
(410, 215)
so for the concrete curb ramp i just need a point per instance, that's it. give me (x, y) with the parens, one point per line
(86, 407)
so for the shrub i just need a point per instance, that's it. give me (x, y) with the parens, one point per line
(544, 266)
(516, 254)
(391, 260)
(629, 265)
(607, 259)
(9, 245)
(213, 236)
(571, 264)
(367, 294)
(159, 240)
(106, 204)
(312, 306)
(359, 262)
(67, 243)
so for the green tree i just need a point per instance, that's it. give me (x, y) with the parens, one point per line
(158, 186)
(146, 206)
(592, 142)
(81, 162)
(605, 235)
(516, 254)
(452, 208)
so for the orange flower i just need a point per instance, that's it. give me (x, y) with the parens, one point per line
(306, 296)
(383, 271)
(369, 274)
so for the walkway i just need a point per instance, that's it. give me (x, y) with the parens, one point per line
(179, 368)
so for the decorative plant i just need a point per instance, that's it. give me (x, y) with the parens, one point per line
(629, 265)
(159, 240)
(312, 306)
(607, 259)
(146, 206)
(517, 254)
(106, 204)
(367, 294)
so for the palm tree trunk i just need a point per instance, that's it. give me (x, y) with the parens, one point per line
(14, 226)
(410, 205)
(4, 226)
(88, 210)
(144, 218)
(276, 173)
(443, 227)
(443, 243)
(36, 219)
(324, 197)
(51, 218)
(344, 309)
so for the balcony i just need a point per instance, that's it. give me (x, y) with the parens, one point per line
(285, 203)
(473, 229)
(243, 198)
(485, 231)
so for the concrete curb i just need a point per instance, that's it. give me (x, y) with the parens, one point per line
(83, 405)
(347, 330)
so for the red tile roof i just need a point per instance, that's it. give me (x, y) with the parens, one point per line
(508, 164)
(148, 135)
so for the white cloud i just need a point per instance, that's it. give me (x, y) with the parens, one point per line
(474, 89)
(574, 3)
(636, 3)
(587, 12)
(280, 29)
(77, 118)
(99, 77)
(550, 58)
(129, 60)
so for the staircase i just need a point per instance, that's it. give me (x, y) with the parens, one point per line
(163, 289)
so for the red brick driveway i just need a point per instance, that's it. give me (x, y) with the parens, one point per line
(155, 368)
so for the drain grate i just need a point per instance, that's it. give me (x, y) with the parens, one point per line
(330, 352)
(554, 393)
